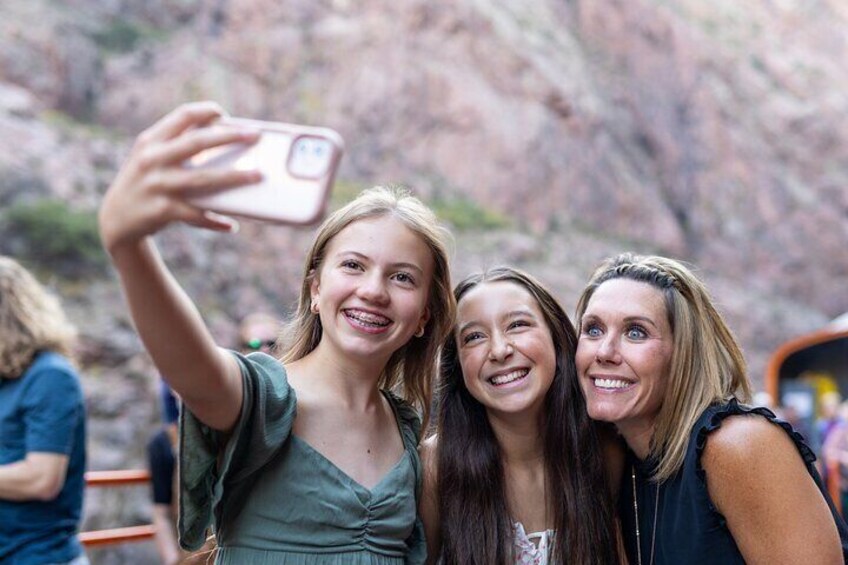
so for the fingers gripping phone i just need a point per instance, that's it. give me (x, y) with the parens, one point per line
(298, 164)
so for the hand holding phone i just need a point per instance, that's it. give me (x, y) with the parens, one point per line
(298, 164)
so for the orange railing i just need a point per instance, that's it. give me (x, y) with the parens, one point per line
(116, 535)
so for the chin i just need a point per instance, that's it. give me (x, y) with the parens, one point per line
(602, 414)
(518, 407)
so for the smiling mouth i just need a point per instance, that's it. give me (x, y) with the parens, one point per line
(611, 384)
(367, 320)
(506, 378)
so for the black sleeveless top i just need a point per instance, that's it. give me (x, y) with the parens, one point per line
(688, 528)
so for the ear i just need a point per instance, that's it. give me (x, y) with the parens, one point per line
(425, 317)
(314, 287)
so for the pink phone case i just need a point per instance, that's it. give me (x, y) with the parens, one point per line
(298, 164)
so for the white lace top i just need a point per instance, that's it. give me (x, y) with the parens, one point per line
(531, 549)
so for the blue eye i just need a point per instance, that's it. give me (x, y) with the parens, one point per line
(592, 330)
(636, 332)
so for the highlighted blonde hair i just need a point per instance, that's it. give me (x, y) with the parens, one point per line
(31, 320)
(411, 369)
(706, 366)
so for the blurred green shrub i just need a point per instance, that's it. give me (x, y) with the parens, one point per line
(344, 191)
(464, 214)
(123, 36)
(119, 36)
(53, 236)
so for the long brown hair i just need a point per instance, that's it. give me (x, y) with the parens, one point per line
(31, 320)
(707, 365)
(473, 510)
(411, 369)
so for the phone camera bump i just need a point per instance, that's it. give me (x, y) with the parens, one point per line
(310, 157)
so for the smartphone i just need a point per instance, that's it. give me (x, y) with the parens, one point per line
(298, 164)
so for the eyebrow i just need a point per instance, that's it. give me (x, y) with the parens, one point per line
(627, 319)
(507, 316)
(399, 265)
(640, 319)
(519, 312)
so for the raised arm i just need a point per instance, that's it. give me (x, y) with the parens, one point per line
(758, 482)
(150, 192)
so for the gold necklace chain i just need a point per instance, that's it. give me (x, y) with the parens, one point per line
(636, 513)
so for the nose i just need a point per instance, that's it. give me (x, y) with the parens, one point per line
(500, 347)
(372, 288)
(607, 351)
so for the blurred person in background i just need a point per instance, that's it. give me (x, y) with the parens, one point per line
(258, 332)
(835, 452)
(42, 426)
(161, 462)
(827, 421)
(708, 479)
(829, 415)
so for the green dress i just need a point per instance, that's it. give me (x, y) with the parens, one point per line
(274, 499)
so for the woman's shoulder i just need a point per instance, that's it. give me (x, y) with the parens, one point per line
(745, 461)
(742, 436)
(268, 394)
(735, 423)
(52, 371)
(261, 360)
(262, 368)
(52, 361)
(759, 472)
(745, 440)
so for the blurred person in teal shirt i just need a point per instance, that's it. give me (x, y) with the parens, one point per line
(42, 426)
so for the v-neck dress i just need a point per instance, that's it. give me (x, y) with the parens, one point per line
(274, 499)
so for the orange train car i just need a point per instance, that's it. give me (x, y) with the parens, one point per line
(801, 370)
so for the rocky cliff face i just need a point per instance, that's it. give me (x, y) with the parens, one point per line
(716, 133)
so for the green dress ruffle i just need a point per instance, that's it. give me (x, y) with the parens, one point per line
(274, 499)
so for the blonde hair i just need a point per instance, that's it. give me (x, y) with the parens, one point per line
(411, 369)
(31, 320)
(706, 366)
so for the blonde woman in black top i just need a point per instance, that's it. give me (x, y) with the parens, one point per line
(715, 481)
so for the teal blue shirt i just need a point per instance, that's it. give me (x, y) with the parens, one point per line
(275, 499)
(43, 411)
